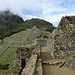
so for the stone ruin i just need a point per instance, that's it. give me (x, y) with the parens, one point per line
(41, 42)
(61, 42)
(22, 56)
(70, 62)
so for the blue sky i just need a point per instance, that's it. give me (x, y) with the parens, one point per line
(49, 10)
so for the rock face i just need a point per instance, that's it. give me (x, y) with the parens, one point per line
(70, 63)
(61, 42)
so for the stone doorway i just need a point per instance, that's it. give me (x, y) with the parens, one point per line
(23, 63)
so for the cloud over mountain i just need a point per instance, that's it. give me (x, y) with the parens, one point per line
(50, 10)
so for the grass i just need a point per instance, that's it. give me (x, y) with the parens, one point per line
(18, 39)
(43, 45)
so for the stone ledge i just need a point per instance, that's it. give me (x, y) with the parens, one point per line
(39, 70)
(52, 63)
(30, 67)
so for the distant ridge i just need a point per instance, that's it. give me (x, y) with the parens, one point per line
(11, 24)
(8, 21)
(38, 23)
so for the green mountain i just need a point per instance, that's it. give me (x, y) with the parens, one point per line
(8, 21)
(39, 23)
(11, 24)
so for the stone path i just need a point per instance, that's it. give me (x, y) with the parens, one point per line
(45, 57)
(53, 70)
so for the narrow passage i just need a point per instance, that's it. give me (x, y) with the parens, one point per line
(53, 70)
(45, 57)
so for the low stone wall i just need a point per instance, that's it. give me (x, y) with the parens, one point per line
(14, 71)
(39, 70)
(41, 42)
(38, 52)
(30, 67)
(5, 72)
(70, 62)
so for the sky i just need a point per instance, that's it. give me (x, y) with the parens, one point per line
(49, 10)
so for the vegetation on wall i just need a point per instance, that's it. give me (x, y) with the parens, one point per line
(4, 66)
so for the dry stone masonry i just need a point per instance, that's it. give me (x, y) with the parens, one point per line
(41, 42)
(22, 56)
(61, 42)
(30, 67)
(70, 62)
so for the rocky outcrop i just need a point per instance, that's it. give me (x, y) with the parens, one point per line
(61, 42)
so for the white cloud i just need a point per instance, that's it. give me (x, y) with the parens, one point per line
(50, 10)
(25, 17)
(56, 18)
(52, 7)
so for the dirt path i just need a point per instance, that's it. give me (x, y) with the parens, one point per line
(53, 70)
(46, 57)
(44, 54)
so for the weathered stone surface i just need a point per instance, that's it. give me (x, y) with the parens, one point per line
(30, 67)
(70, 62)
(61, 42)
(22, 55)
(41, 42)
(5, 72)
(39, 70)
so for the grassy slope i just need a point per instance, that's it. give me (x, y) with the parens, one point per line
(11, 24)
(18, 39)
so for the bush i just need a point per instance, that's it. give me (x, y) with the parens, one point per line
(4, 66)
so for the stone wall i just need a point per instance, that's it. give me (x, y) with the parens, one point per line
(30, 55)
(22, 56)
(34, 64)
(70, 62)
(30, 67)
(41, 42)
(6, 72)
(61, 42)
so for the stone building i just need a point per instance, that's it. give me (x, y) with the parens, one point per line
(22, 56)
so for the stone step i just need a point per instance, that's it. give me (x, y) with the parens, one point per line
(52, 63)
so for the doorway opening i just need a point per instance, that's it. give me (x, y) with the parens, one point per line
(23, 63)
